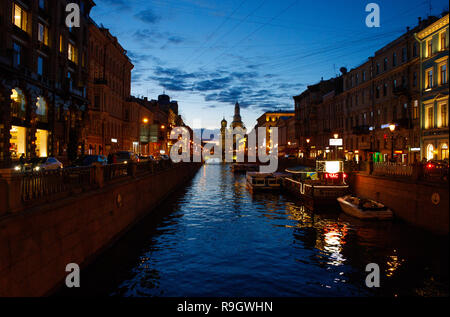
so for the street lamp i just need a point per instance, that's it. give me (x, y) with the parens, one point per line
(308, 154)
(336, 136)
(392, 128)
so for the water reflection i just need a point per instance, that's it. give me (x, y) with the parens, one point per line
(215, 238)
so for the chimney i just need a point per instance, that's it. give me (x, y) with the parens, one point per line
(407, 29)
(420, 20)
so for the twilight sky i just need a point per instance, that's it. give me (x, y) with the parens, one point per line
(208, 54)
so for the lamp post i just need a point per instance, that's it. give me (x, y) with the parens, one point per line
(392, 128)
(336, 136)
(307, 148)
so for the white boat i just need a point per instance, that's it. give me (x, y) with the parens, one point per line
(364, 208)
(263, 181)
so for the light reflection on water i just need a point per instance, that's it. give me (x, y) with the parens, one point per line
(216, 239)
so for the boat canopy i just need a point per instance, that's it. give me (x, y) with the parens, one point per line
(300, 170)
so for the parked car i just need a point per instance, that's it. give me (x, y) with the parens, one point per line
(94, 160)
(165, 157)
(437, 169)
(47, 164)
(126, 157)
(147, 158)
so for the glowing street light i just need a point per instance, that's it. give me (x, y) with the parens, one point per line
(145, 120)
(392, 127)
(336, 136)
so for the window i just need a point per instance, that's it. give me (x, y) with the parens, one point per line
(41, 109)
(72, 53)
(416, 110)
(378, 92)
(378, 68)
(444, 151)
(404, 55)
(443, 74)
(364, 76)
(18, 103)
(17, 54)
(429, 119)
(443, 41)
(430, 152)
(443, 111)
(385, 64)
(385, 90)
(415, 79)
(42, 33)
(394, 59)
(429, 48)
(20, 17)
(40, 65)
(42, 4)
(394, 84)
(61, 44)
(429, 79)
(415, 50)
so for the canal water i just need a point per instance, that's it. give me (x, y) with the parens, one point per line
(214, 238)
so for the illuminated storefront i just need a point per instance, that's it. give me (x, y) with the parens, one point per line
(17, 142)
(41, 143)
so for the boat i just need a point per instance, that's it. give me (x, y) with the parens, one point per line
(263, 181)
(364, 208)
(242, 168)
(319, 186)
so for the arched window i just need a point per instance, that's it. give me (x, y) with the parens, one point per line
(18, 103)
(430, 152)
(42, 109)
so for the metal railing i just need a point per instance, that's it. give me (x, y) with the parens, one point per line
(392, 169)
(36, 185)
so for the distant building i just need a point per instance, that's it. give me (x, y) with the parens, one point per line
(434, 53)
(277, 119)
(237, 120)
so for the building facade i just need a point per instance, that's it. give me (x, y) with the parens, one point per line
(108, 119)
(43, 80)
(434, 89)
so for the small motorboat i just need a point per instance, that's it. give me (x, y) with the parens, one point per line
(364, 208)
(263, 181)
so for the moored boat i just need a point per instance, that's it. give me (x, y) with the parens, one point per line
(320, 186)
(364, 208)
(263, 181)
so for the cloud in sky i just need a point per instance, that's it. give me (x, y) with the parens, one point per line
(148, 16)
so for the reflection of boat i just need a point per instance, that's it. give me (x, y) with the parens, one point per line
(364, 208)
(263, 181)
(242, 168)
(319, 186)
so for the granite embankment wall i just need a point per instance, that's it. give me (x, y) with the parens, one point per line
(422, 204)
(36, 244)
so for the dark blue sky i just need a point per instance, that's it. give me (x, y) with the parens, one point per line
(209, 54)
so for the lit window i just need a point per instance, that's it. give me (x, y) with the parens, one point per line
(72, 53)
(42, 33)
(41, 109)
(42, 4)
(61, 44)
(18, 103)
(20, 17)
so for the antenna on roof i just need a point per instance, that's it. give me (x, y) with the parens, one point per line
(430, 7)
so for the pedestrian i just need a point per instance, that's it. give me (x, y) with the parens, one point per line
(22, 162)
